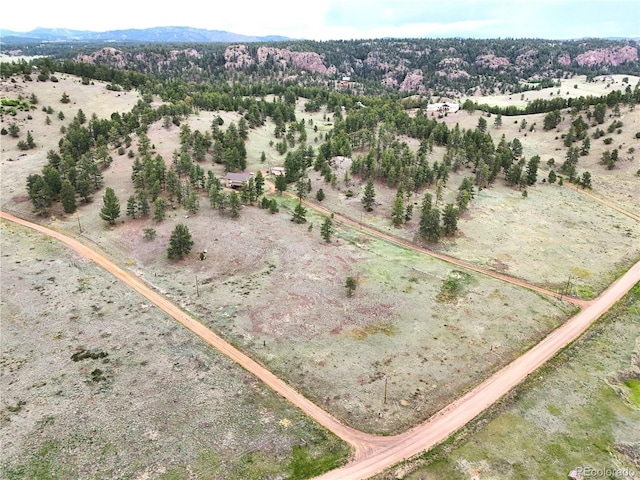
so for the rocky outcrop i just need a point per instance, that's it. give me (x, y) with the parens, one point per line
(492, 61)
(608, 56)
(105, 56)
(238, 57)
(564, 59)
(527, 59)
(413, 82)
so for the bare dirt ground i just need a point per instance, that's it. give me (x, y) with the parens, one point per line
(108, 386)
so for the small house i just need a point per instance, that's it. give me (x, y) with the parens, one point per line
(237, 180)
(278, 171)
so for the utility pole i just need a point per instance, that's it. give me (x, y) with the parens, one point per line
(566, 288)
(197, 290)
(385, 390)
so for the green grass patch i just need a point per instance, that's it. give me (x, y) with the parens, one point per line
(453, 287)
(304, 465)
(39, 466)
(633, 384)
(553, 410)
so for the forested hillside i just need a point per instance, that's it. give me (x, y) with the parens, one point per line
(422, 66)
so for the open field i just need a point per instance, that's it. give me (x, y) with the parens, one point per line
(581, 410)
(417, 333)
(277, 290)
(107, 386)
(553, 236)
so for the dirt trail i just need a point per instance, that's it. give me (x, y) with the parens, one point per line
(603, 202)
(373, 454)
(412, 246)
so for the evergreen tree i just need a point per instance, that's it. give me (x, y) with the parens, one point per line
(39, 193)
(320, 195)
(180, 242)
(223, 202)
(132, 205)
(30, 142)
(449, 219)
(482, 124)
(532, 170)
(397, 211)
(68, 196)
(369, 196)
(192, 204)
(586, 146)
(552, 176)
(350, 284)
(111, 206)
(326, 230)
(159, 209)
(281, 183)
(585, 181)
(259, 183)
(143, 203)
(299, 214)
(234, 205)
(433, 228)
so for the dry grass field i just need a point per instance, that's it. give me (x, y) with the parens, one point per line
(582, 411)
(417, 333)
(96, 383)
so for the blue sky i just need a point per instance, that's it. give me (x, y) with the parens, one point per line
(345, 19)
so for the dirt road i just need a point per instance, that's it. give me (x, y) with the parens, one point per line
(362, 443)
(412, 246)
(373, 454)
(463, 410)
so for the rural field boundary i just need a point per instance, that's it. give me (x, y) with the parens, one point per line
(373, 453)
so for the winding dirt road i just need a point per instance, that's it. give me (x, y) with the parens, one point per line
(372, 453)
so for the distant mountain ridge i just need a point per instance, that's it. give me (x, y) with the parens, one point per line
(153, 35)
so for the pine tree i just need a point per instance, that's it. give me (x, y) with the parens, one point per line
(234, 205)
(68, 197)
(180, 242)
(159, 209)
(433, 229)
(299, 214)
(369, 196)
(143, 203)
(111, 206)
(397, 212)
(350, 284)
(532, 170)
(326, 230)
(192, 204)
(450, 219)
(281, 183)
(132, 205)
(259, 183)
